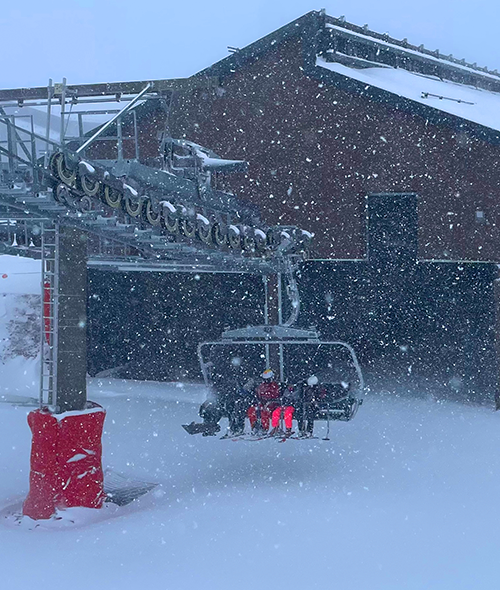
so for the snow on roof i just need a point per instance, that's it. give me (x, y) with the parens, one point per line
(424, 54)
(467, 102)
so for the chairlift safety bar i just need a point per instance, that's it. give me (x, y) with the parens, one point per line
(282, 343)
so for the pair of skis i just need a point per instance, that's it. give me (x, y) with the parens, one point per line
(247, 437)
(280, 437)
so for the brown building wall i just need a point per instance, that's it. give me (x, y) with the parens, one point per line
(316, 150)
(149, 130)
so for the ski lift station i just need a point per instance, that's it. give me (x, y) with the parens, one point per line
(325, 169)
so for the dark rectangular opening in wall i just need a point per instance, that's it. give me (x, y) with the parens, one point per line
(392, 228)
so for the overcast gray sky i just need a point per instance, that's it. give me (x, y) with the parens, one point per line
(111, 40)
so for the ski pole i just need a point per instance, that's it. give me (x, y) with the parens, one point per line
(281, 415)
(327, 437)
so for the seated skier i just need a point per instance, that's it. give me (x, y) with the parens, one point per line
(210, 412)
(237, 406)
(285, 410)
(268, 399)
(310, 395)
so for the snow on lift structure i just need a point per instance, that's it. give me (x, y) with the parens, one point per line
(160, 213)
(242, 354)
(176, 200)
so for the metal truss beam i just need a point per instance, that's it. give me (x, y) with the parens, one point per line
(113, 89)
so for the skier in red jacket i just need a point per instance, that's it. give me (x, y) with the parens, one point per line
(268, 399)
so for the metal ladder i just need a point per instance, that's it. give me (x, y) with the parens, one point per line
(50, 295)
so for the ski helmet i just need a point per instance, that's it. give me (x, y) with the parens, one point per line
(268, 374)
(313, 380)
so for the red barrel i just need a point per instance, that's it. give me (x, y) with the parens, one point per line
(66, 468)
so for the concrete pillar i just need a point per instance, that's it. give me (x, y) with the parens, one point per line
(72, 321)
(66, 450)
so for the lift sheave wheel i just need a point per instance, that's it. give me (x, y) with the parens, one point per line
(133, 208)
(234, 239)
(112, 197)
(230, 228)
(90, 186)
(62, 194)
(63, 172)
(170, 221)
(272, 237)
(205, 232)
(85, 204)
(249, 244)
(260, 240)
(188, 227)
(152, 216)
(219, 234)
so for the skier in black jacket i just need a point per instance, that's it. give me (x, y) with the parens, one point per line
(310, 396)
(228, 399)
(237, 403)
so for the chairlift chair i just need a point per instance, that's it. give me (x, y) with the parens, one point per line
(244, 353)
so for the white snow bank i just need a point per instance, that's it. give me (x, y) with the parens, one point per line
(485, 109)
(19, 379)
(20, 275)
(177, 392)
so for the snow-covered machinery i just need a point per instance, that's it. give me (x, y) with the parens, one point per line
(165, 210)
(174, 196)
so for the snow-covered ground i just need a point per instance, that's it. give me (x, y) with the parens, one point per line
(403, 497)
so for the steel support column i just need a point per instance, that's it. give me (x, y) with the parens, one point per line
(273, 316)
(496, 286)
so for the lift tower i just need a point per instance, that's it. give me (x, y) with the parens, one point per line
(90, 198)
